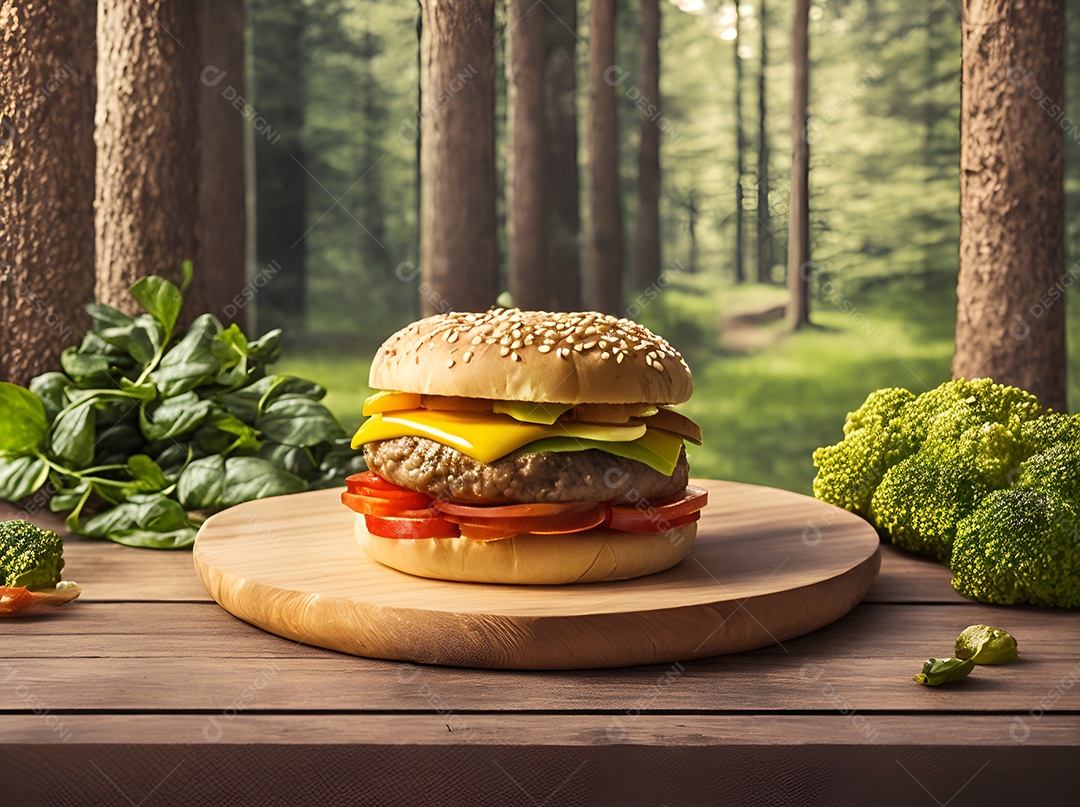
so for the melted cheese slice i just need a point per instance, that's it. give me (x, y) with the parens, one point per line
(484, 436)
(659, 449)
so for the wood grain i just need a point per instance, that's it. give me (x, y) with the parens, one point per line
(768, 565)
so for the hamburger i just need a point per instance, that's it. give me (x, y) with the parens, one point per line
(526, 447)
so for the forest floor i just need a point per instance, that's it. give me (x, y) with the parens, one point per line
(765, 398)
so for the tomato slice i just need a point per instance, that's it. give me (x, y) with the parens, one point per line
(392, 527)
(372, 481)
(574, 521)
(14, 600)
(532, 510)
(375, 506)
(661, 515)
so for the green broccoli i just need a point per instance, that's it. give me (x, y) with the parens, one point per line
(1019, 546)
(29, 556)
(850, 471)
(922, 499)
(1055, 471)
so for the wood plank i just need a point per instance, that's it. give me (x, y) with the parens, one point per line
(562, 760)
(767, 564)
(907, 577)
(542, 729)
(184, 657)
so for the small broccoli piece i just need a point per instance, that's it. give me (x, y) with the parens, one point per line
(938, 671)
(921, 501)
(1055, 471)
(1040, 433)
(985, 645)
(1019, 546)
(29, 556)
(850, 471)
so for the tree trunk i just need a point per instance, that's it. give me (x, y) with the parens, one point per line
(527, 215)
(281, 181)
(764, 216)
(799, 207)
(458, 250)
(1010, 323)
(605, 217)
(46, 182)
(147, 135)
(740, 169)
(562, 157)
(647, 243)
(222, 213)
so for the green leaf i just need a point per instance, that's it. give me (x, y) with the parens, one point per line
(174, 417)
(201, 486)
(294, 459)
(190, 362)
(148, 539)
(266, 349)
(143, 392)
(161, 299)
(141, 338)
(298, 421)
(21, 476)
(51, 388)
(73, 436)
(85, 366)
(224, 433)
(231, 349)
(248, 403)
(248, 478)
(68, 498)
(147, 511)
(23, 424)
(105, 316)
(146, 474)
(339, 461)
(187, 272)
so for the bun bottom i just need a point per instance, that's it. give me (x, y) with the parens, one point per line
(592, 556)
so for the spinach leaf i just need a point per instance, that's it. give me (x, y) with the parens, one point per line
(21, 476)
(298, 421)
(248, 478)
(190, 362)
(51, 389)
(174, 417)
(161, 299)
(201, 486)
(73, 435)
(23, 425)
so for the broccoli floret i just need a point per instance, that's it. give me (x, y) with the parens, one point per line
(29, 556)
(1055, 471)
(1019, 546)
(1040, 433)
(850, 471)
(922, 499)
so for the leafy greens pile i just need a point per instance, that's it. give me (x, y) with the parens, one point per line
(142, 433)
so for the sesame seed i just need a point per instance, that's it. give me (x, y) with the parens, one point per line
(504, 351)
(605, 355)
(619, 358)
(577, 347)
(515, 344)
(657, 365)
(467, 356)
(648, 360)
(562, 352)
(476, 340)
(449, 362)
(515, 357)
(544, 348)
(570, 339)
(452, 337)
(589, 345)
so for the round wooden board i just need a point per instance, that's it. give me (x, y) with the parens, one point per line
(768, 565)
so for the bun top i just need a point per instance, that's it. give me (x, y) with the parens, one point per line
(538, 356)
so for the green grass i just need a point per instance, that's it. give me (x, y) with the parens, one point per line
(763, 413)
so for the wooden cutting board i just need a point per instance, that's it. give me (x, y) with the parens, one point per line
(768, 565)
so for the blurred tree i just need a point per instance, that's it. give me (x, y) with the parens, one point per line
(764, 217)
(1012, 198)
(527, 182)
(561, 142)
(647, 236)
(147, 136)
(458, 254)
(222, 217)
(46, 182)
(605, 217)
(740, 148)
(799, 207)
(280, 158)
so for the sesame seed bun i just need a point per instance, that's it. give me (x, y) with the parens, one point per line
(538, 356)
(592, 556)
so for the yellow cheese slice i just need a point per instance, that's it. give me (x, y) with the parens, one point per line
(387, 401)
(483, 436)
(659, 449)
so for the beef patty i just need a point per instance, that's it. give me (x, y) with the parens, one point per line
(548, 476)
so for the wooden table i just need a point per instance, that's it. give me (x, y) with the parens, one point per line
(145, 692)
